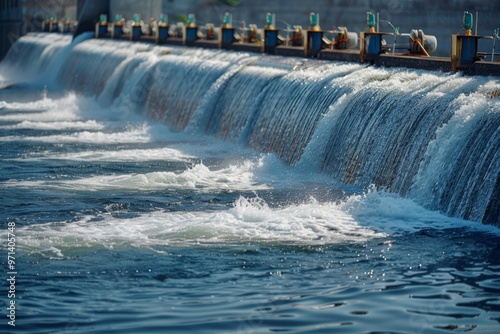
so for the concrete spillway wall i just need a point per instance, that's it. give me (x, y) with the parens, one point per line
(439, 18)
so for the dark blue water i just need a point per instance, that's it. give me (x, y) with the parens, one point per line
(127, 225)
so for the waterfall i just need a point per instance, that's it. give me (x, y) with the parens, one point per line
(429, 136)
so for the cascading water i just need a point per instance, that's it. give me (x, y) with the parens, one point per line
(432, 137)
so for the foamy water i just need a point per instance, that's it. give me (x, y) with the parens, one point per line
(353, 218)
(198, 177)
(250, 220)
(129, 155)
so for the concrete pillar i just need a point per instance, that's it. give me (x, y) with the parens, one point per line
(10, 24)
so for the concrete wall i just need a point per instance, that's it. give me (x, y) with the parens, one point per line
(127, 8)
(10, 24)
(18, 17)
(435, 17)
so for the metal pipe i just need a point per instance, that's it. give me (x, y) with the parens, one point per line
(396, 33)
(477, 14)
(493, 51)
(496, 35)
(287, 32)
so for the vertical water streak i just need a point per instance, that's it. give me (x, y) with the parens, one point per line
(291, 109)
(237, 100)
(461, 167)
(382, 130)
(176, 85)
(88, 69)
(127, 72)
(29, 58)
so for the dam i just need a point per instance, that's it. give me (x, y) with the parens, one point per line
(283, 104)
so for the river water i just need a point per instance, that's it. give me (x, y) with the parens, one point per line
(126, 220)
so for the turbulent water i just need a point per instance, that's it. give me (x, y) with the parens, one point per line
(169, 190)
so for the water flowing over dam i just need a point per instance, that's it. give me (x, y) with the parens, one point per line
(428, 136)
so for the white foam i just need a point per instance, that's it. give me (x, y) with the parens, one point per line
(138, 134)
(64, 125)
(67, 108)
(392, 214)
(198, 177)
(98, 125)
(239, 174)
(250, 220)
(134, 155)
(40, 105)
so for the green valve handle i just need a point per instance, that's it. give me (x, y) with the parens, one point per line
(314, 19)
(104, 18)
(163, 18)
(191, 19)
(468, 21)
(227, 18)
(269, 19)
(118, 18)
(137, 18)
(370, 20)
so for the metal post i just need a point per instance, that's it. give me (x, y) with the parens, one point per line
(496, 35)
(493, 51)
(477, 14)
